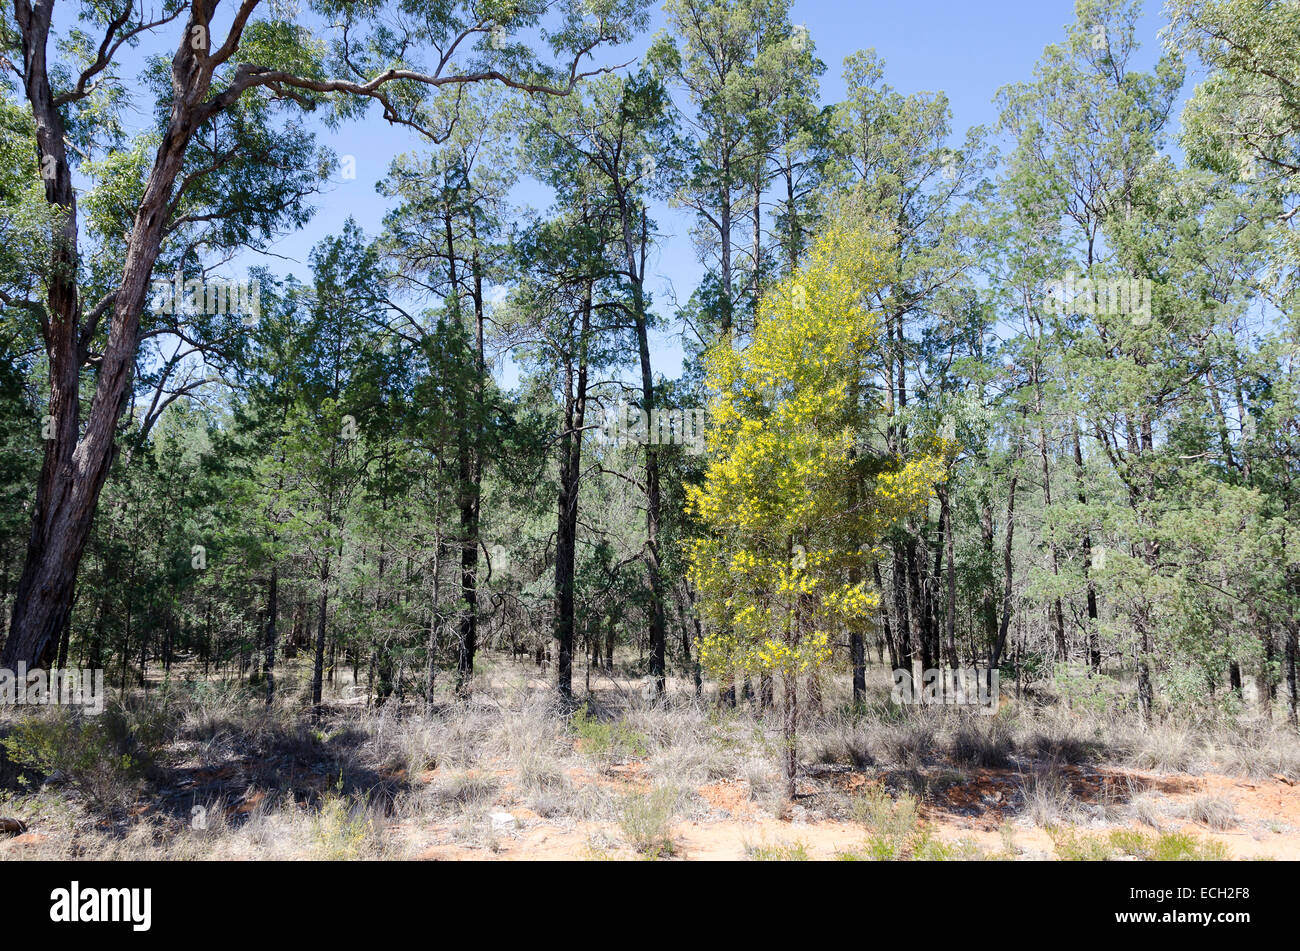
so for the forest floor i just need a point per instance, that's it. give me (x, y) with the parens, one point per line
(202, 769)
(976, 819)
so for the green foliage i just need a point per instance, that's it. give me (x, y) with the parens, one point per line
(787, 852)
(87, 752)
(1073, 846)
(646, 821)
(341, 829)
(1124, 483)
(896, 832)
(607, 741)
(1169, 847)
(1089, 692)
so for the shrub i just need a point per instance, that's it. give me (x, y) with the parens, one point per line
(1170, 847)
(1089, 691)
(646, 821)
(467, 788)
(895, 829)
(340, 829)
(85, 751)
(1072, 847)
(927, 848)
(885, 816)
(789, 852)
(608, 741)
(905, 744)
(1163, 847)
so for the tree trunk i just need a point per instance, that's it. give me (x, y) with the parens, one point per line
(995, 657)
(858, 658)
(885, 619)
(789, 719)
(1265, 686)
(567, 509)
(318, 663)
(65, 637)
(1094, 641)
(1292, 649)
(272, 615)
(1056, 614)
(902, 625)
(434, 621)
(635, 248)
(950, 607)
(467, 642)
(75, 469)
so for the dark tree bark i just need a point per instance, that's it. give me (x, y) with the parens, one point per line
(1055, 611)
(908, 649)
(894, 656)
(950, 607)
(636, 242)
(1146, 691)
(65, 637)
(272, 615)
(995, 657)
(575, 404)
(1292, 649)
(318, 661)
(1265, 686)
(858, 658)
(789, 721)
(1094, 639)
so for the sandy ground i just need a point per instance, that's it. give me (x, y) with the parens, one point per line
(1268, 812)
(729, 823)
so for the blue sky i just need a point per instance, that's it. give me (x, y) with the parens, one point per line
(966, 48)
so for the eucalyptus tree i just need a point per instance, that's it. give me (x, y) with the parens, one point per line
(1136, 280)
(1244, 119)
(1243, 125)
(21, 234)
(776, 97)
(222, 164)
(1089, 131)
(801, 146)
(261, 487)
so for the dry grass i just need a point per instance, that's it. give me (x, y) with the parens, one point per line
(1046, 796)
(1217, 812)
(206, 770)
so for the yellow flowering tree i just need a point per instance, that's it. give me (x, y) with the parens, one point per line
(794, 499)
